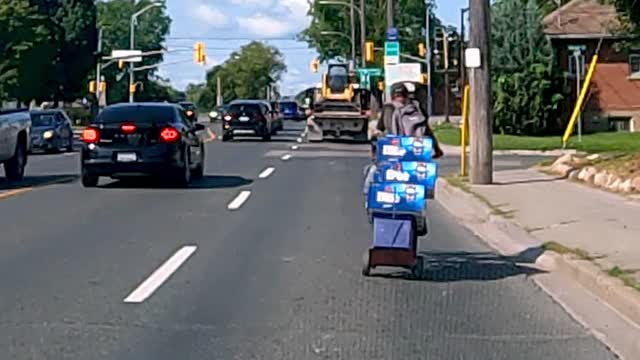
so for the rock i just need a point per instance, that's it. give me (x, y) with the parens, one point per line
(593, 157)
(564, 159)
(635, 184)
(587, 174)
(561, 169)
(614, 186)
(625, 186)
(612, 178)
(573, 174)
(600, 179)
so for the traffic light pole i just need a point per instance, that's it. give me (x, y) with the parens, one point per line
(99, 70)
(428, 55)
(131, 46)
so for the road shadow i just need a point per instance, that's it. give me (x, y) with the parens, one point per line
(207, 182)
(37, 181)
(468, 266)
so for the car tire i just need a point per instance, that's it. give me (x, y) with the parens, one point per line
(89, 180)
(198, 173)
(70, 145)
(182, 177)
(227, 137)
(266, 136)
(14, 167)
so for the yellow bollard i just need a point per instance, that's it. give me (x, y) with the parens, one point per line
(464, 131)
(579, 103)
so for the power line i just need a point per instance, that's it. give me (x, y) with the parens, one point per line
(291, 38)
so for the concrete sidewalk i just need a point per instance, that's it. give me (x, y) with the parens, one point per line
(596, 225)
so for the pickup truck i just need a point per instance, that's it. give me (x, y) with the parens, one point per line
(15, 142)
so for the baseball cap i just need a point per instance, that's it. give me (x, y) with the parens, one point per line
(399, 90)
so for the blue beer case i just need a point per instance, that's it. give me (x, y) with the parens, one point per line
(423, 173)
(397, 197)
(404, 148)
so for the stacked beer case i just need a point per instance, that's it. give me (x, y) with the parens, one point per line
(397, 201)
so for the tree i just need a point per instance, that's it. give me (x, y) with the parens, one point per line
(21, 57)
(409, 18)
(150, 33)
(629, 11)
(525, 81)
(246, 74)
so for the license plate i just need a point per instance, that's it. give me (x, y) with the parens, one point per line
(126, 157)
(243, 118)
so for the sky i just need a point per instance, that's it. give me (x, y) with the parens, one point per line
(225, 25)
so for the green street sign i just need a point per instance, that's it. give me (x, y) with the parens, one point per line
(369, 72)
(392, 48)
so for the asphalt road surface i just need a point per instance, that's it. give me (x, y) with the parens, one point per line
(253, 263)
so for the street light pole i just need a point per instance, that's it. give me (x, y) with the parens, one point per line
(352, 15)
(363, 33)
(352, 10)
(390, 13)
(132, 35)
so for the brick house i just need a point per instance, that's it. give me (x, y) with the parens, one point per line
(575, 30)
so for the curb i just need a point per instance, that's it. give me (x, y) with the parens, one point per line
(510, 239)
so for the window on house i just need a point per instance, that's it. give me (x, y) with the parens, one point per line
(581, 64)
(634, 63)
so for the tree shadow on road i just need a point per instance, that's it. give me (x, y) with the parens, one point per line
(469, 266)
(37, 181)
(207, 182)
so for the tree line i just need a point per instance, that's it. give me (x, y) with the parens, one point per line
(48, 48)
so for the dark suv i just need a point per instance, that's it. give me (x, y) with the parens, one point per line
(142, 139)
(250, 117)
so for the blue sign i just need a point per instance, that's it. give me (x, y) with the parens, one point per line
(422, 173)
(397, 197)
(392, 34)
(404, 148)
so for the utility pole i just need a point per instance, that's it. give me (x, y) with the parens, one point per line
(363, 32)
(352, 15)
(481, 119)
(445, 44)
(218, 91)
(428, 48)
(131, 47)
(390, 13)
(99, 68)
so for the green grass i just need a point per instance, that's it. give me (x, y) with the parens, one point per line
(591, 143)
(561, 249)
(463, 184)
(625, 275)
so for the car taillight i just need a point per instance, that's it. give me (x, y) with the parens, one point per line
(228, 117)
(128, 128)
(169, 135)
(189, 112)
(90, 135)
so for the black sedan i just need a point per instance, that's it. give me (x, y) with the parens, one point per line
(51, 131)
(148, 139)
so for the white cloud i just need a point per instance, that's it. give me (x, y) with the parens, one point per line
(266, 26)
(209, 14)
(252, 3)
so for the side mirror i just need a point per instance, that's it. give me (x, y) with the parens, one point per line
(198, 127)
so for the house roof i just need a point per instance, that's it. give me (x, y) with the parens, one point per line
(582, 19)
(614, 91)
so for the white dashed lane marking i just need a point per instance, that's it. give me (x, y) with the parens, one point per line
(239, 200)
(285, 157)
(266, 173)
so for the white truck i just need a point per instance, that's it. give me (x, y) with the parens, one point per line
(15, 142)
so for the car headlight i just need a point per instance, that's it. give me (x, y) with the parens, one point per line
(213, 114)
(47, 134)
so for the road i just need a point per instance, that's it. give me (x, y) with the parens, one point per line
(130, 270)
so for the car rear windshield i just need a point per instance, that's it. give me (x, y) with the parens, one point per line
(138, 115)
(188, 106)
(244, 108)
(291, 106)
(43, 119)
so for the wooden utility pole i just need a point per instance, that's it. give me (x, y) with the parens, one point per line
(481, 119)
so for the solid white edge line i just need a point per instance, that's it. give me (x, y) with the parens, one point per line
(286, 157)
(158, 277)
(266, 173)
(237, 202)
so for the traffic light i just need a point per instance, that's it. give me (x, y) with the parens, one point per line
(132, 88)
(424, 79)
(369, 51)
(199, 55)
(422, 51)
(92, 86)
(381, 85)
(315, 65)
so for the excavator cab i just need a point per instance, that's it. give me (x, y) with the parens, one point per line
(337, 83)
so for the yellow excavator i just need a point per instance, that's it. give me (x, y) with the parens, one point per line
(340, 108)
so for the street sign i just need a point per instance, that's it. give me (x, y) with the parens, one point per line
(391, 52)
(125, 55)
(472, 58)
(369, 72)
(392, 34)
(406, 72)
